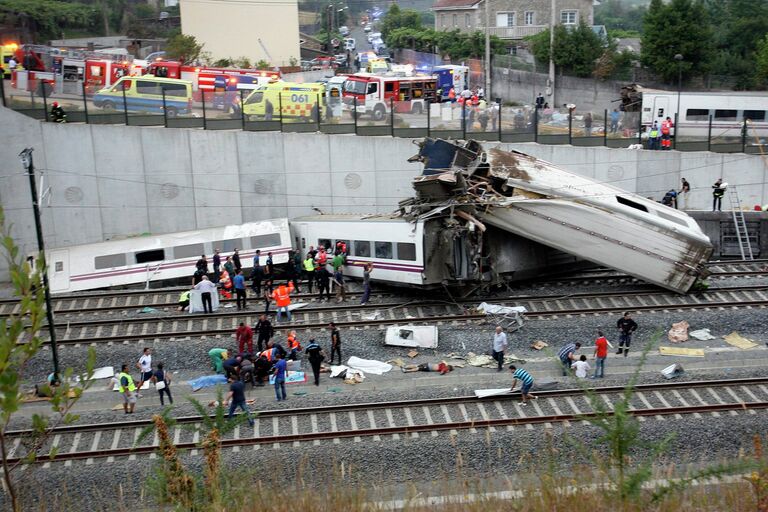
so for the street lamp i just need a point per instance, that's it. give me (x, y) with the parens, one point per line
(679, 59)
(27, 162)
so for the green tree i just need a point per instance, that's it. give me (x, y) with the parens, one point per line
(577, 51)
(399, 18)
(46, 19)
(183, 48)
(615, 14)
(679, 27)
(761, 61)
(20, 341)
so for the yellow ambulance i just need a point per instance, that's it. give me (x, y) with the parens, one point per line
(293, 102)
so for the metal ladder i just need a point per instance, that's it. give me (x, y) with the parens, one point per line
(740, 223)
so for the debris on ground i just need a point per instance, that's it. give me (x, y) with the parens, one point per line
(483, 393)
(679, 332)
(396, 362)
(672, 371)
(739, 341)
(539, 344)
(369, 365)
(412, 354)
(412, 336)
(291, 378)
(682, 352)
(510, 318)
(486, 361)
(349, 375)
(148, 310)
(373, 316)
(701, 335)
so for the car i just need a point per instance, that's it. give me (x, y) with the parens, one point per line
(367, 28)
(344, 30)
(340, 59)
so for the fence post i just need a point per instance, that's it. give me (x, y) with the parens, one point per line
(536, 125)
(498, 127)
(125, 106)
(392, 116)
(280, 109)
(709, 134)
(429, 115)
(45, 102)
(319, 106)
(354, 113)
(570, 126)
(242, 110)
(165, 111)
(640, 128)
(605, 127)
(85, 103)
(744, 136)
(674, 141)
(205, 115)
(464, 119)
(2, 90)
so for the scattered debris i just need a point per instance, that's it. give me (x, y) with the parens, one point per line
(105, 372)
(396, 362)
(483, 393)
(508, 317)
(486, 361)
(539, 344)
(349, 375)
(679, 332)
(148, 310)
(422, 336)
(682, 352)
(739, 341)
(373, 316)
(701, 335)
(412, 354)
(291, 377)
(672, 371)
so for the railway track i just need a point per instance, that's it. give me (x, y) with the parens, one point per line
(131, 300)
(380, 315)
(385, 420)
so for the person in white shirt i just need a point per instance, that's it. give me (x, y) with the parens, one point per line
(207, 288)
(145, 367)
(581, 367)
(499, 346)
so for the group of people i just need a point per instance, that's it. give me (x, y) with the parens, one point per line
(155, 375)
(660, 136)
(672, 197)
(474, 107)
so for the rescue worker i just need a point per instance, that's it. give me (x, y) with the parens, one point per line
(290, 272)
(127, 388)
(626, 327)
(452, 95)
(264, 330)
(282, 298)
(244, 336)
(231, 367)
(685, 190)
(666, 131)
(324, 283)
(226, 284)
(335, 342)
(338, 282)
(57, 113)
(653, 137)
(718, 191)
(670, 199)
(315, 355)
(217, 355)
(216, 265)
(294, 346)
(261, 369)
(309, 271)
(206, 288)
(184, 300)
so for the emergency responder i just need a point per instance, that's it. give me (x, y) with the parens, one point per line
(294, 346)
(324, 283)
(316, 356)
(282, 298)
(335, 341)
(309, 271)
(666, 131)
(57, 113)
(184, 300)
(718, 191)
(685, 190)
(127, 388)
(653, 136)
(217, 356)
(626, 327)
(290, 272)
(264, 331)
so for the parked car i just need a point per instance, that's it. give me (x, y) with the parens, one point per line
(367, 28)
(344, 30)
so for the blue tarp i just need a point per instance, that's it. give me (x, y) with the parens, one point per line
(206, 381)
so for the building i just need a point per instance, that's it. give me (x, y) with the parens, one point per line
(257, 29)
(509, 19)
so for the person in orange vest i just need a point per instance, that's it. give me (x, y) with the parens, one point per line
(294, 346)
(226, 284)
(666, 130)
(282, 298)
(452, 95)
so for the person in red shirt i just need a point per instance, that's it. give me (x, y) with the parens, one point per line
(244, 336)
(601, 352)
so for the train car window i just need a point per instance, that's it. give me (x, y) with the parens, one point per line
(150, 256)
(228, 245)
(188, 251)
(631, 204)
(324, 242)
(269, 240)
(383, 250)
(725, 115)
(362, 248)
(754, 115)
(109, 261)
(60, 266)
(345, 242)
(697, 114)
(406, 251)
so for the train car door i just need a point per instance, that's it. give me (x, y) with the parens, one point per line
(661, 109)
(58, 271)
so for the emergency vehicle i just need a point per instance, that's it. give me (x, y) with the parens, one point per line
(101, 73)
(147, 94)
(291, 102)
(204, 79)
(6, 52)
(365, 93)
(451, 76)
(226, 88)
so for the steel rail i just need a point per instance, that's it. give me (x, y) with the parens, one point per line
(419, 402)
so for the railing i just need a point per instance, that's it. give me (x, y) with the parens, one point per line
(517, 32)
(418, 118)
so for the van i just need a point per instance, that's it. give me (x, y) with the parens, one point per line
(349, 44)
(145, 94)
(291, 102)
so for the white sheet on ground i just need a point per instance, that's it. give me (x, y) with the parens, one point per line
(337, 370)
(105, 372)
(196, 301)
(416, 336)
(495, 309)
(482, 393)
(298, 305)
(701, 334)
(369, 365)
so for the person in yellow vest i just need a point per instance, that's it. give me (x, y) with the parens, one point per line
(309, 271)
(127, 388)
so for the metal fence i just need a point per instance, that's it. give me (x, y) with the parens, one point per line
(239, 111)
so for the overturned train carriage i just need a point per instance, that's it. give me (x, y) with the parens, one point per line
(522, 195)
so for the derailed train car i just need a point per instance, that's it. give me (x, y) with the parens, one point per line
(534, 199)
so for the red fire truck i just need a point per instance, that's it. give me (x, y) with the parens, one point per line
(102, 73)
(370, 94)
(203, 78)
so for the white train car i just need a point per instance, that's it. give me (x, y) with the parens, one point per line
(159, 257)
(728, 109)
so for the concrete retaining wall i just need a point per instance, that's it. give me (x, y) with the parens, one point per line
(112, 181)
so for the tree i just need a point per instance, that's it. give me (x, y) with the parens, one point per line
(679, 27)
(761, 61)
(46, 19)
(183, 48)
(576, 50)
(20, 341)
(396, 18)
(615, 14)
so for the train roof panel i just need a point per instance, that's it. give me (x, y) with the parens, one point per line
(338, 217)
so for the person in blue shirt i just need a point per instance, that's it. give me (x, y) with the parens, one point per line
(239, 282)
(236, 399)
(526, 380)
(280, 373)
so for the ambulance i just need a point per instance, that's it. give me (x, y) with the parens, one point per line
(6, 52)
(291, 102)
(145, 94)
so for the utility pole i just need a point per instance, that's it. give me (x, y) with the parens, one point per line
(551, 80)
(487, 52)
(27, 162)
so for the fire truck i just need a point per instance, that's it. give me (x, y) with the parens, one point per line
(365, 93)
(204, 79)
(100, 73)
